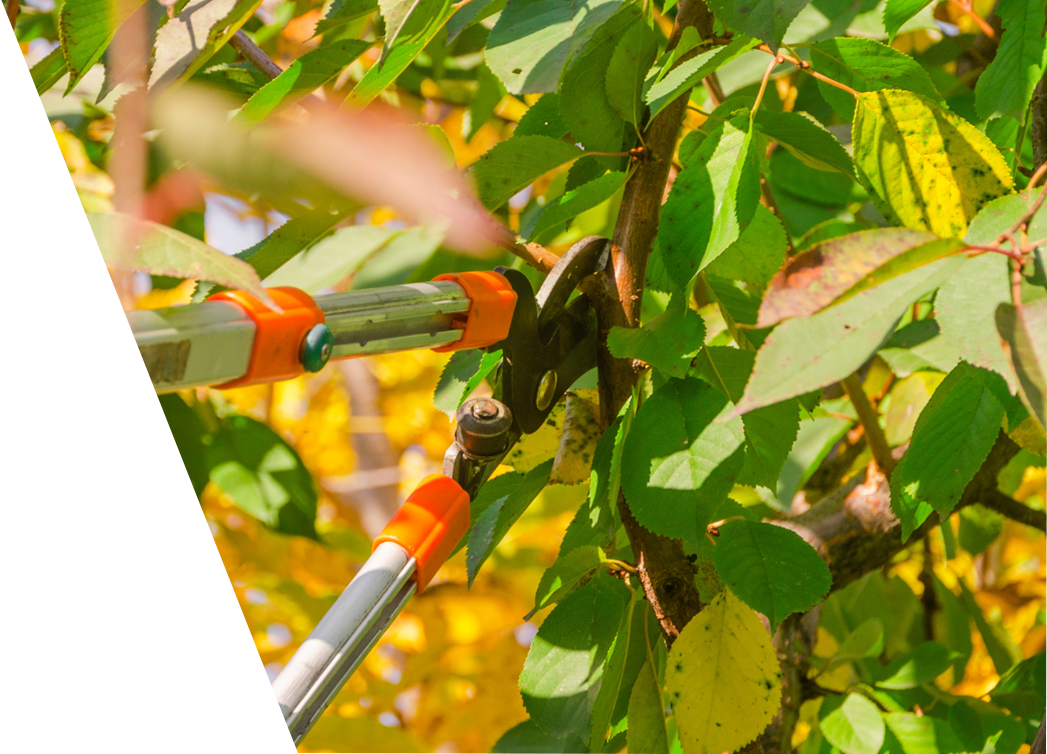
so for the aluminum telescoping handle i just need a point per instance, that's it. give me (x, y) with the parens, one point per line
(212, 342)
(344, 636)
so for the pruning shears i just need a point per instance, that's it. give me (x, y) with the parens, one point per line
(547, 341)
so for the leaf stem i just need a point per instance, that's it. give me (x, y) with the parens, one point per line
(870, 422)
(982, 24)
(1016, 256)
(21, 477)
(763, 84)
(803, 65)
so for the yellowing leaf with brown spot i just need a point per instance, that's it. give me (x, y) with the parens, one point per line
(581, 432)
(927, 168)
(723, 678)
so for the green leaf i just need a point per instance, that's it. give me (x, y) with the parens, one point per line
(979, 725)
(567, 573)
(711, 202)
(533, 39)
(952, 438)
(425, 20)
(764, 19)
(584, 104)
(263, 476)
(852, 724)
(1021, 689)
(926, 167)
(998, 643)
(119, 68)
(527, 737)
(769, 431)
(489, 92)
(306, 74)
(979, 528)
(198, 694)
(496, 508)
(723, 678)
(897, 12)
(966, 305)
(679, 462)
(188, 40)
(757, 255)
(564, 666)
(668, 342)
(542, 119)
(86, 28)
(772, 569)
(866, 66)
(953, 627)
(160, 250)
(558, 212)
(922, 734)
(688, 74)
(1024, 333)
(804, 354)
(919, 346)
(57, 529)
(394, 13)
(807, 139)
(342, 12)
(461, 376)
(647, 714)
(922, 665)
(327, 261)
(291, 239)
(813, 279)
(633, 56)
(191, 436)
(908, 398)
(34, 83)
(864, 641)
(513, 164)
(1005, 87)
(624, 662)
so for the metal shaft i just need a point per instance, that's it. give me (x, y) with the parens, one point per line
(210, 343)
(343, 637)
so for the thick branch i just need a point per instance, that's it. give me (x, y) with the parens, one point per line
(1014, 510)
(870, 422)
(855, 531)
(666, 574)
(1039, 123)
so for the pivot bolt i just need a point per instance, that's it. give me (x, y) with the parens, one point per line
(316, 348)
(546, 390)
(483, 427)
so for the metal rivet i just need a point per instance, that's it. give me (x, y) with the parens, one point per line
(546, 390)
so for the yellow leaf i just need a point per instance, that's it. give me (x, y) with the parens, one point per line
(581, 431)
(927, 168)
(723, 678)
(537, 448)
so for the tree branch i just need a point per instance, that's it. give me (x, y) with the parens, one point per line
(870, 422)
(1014, 510)
(21, 477)
(855, 531)
(256, 56)
(1039, 123)
(665, 573)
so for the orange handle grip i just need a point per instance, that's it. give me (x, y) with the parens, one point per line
(275, 354)
(493, 301)
(429, 524)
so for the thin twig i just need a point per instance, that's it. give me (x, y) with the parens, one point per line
(995, 249)
(256, 56)
(778, 59)
(32, 678)
(982, 24)
(21, 477)
(10, 9)
(870, 422)
(803, 65)
(1012, 509)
